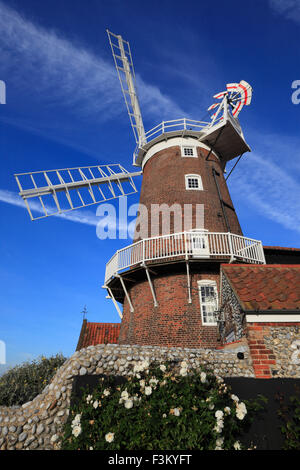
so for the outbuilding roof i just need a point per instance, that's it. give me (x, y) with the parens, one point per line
(98, 333)
(269, 287)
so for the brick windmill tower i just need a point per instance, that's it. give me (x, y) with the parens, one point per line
(168, 278)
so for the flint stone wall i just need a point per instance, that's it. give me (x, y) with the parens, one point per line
(39, 423)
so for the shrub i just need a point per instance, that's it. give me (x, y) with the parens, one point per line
(158, 409)
(24, 382)
(290, 416)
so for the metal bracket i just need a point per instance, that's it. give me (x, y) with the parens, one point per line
(112, 297)
(126, 293)
(188, 281)
(151, 285)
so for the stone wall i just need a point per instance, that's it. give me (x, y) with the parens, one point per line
(275, 349)
(38, 424)
(232, 325)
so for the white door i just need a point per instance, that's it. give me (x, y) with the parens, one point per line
(200, 246)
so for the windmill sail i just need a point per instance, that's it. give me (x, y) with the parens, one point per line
(124, 65)
(53, 192)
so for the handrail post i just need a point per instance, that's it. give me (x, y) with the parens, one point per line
(230, 245)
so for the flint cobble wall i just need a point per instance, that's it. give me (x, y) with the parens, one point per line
(39, 424)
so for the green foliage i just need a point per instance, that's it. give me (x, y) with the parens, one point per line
(157, 409)
(290, 415)
(24, 382)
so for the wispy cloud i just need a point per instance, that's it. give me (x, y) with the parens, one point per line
(271, 190)
(290, 9)
(60, 73)
(83, 217)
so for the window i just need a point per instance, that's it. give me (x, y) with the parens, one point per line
(188, 151)
(208, 295)
(193, 182)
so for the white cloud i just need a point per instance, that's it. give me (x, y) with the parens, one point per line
(271, 190)
(60, 73)
(290, 9)
(82, 217)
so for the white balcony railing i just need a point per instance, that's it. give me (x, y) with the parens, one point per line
(193, 244)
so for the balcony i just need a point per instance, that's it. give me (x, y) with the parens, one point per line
(195, 244)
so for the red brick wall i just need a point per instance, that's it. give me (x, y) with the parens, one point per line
(164, 182)
(264, 359)
(174, 322)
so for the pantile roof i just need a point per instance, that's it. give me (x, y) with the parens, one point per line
(98, 333)
(268, 287)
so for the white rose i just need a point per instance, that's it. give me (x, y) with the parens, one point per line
(235, 398)
(219, 414)
(128, 404)
(109, 437)
(219, 443)
(203, 377)
(148, 390)
(89, 398)
(241, 410)
(76, 430)
(153, 381)
(76, 420)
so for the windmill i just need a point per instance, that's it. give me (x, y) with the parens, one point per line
(167, 282)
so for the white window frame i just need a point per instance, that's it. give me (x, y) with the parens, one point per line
(207, 283)
(198, 178)
(190, 147)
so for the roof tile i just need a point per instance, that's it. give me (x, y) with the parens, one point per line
(98, 333)
(265, 287)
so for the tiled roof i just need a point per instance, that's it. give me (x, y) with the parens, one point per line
(266, 287)
(98, 333)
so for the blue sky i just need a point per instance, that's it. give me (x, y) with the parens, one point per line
(65, 109)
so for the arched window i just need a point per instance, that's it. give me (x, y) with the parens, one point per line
(193, 182)
(208, 296)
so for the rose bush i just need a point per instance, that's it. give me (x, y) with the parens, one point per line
(159, 408)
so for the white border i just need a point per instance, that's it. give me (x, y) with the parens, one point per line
(174, 142)
(272, 318)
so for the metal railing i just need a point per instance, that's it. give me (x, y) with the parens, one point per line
(193, 244)
(174, 125)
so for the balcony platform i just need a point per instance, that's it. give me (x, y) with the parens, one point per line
(192, 245)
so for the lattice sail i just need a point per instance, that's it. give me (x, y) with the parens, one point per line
(53, 192)
(124, 65)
